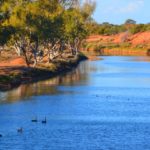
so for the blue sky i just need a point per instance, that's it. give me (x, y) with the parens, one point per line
(117, 11)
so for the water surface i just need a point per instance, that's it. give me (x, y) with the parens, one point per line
(102, 105)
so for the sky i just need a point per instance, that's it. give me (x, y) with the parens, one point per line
(118, 11)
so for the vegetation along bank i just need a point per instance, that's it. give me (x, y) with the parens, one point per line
(40, 38)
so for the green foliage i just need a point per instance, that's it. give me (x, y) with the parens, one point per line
(130, 21)
(38, 27)
(73, 25)
(139, 28)
(105, 28)
(46, 19)
(5, 34)
(110, 29)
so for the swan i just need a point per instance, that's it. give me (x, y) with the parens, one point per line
(20, 130)
(34, 120)
(44, 121)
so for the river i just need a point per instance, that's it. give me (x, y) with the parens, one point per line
(101, 105)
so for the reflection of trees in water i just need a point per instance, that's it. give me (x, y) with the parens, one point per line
(28, 90)
(48, 87)
(142, 59)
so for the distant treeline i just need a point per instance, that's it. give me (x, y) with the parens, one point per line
(109, 29)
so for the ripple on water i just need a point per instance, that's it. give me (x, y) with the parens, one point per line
(102, 105)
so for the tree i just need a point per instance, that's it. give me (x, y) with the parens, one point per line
(130, 21)
(34, 22)
(44, 27)
(75, 24)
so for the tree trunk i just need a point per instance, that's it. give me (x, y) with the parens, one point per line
(26, 58)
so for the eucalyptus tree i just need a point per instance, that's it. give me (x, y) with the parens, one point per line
(5, 31)
(75, 24)
(43, 23)
(34, 22)
(44, 27)
(130, 21)
(15, 12)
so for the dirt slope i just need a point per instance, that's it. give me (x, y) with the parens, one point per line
(13, 62)
(136, 39)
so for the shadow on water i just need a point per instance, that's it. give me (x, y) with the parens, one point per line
(102, 105)
(79, 76)
(47, 87)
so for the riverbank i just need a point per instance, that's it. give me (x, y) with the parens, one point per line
(11, 77)
(119, 51)
(98, 103)
(119, 44)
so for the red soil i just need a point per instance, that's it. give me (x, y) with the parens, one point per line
(136, 39)
(140, 38)
(13, 62)
(94, 38)
(15, 65)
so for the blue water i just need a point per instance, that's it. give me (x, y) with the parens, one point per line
(102, 105)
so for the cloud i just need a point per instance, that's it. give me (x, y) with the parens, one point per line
(117, 6)
(132, 6)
